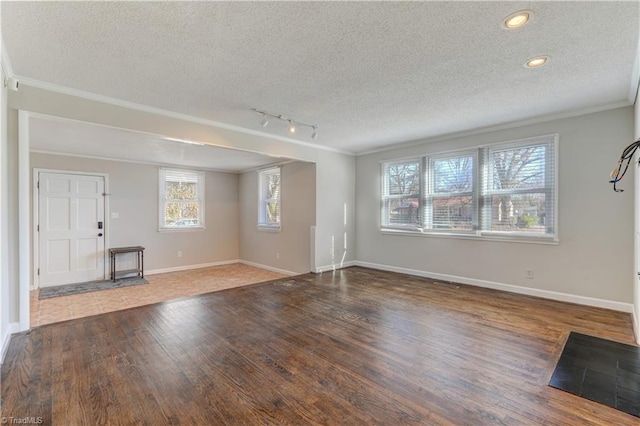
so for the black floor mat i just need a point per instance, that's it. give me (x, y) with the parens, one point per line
(600, 370)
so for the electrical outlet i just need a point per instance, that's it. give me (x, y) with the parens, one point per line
(179, 253)
(529, 274)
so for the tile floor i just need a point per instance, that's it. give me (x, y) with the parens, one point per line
(161, 287)
(601, 370)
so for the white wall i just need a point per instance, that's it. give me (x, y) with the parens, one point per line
(594, 255)
(134, 196)
(12, 213)
(9, 247)
(288, 249)
(4, 248)
(335, 211)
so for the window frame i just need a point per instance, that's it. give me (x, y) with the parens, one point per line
(431, 195)
(480, 193)
(384, 196)
(550, 188)
(162, 200)
(263, 225)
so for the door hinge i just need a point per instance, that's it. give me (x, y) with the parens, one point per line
(38, 271)
(38, 185)
(38, 230)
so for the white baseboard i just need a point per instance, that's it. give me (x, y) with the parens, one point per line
(13, 328)
(546, 294)
(328, 268)
(189, 267)
(269, 268)
(636, 325)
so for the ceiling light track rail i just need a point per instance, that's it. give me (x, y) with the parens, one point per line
(291, 123)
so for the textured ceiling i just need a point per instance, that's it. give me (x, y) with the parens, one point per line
(49, 134)
(368, 74)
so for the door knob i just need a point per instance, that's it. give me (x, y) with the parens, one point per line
(100, 234)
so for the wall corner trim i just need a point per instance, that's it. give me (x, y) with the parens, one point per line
(13, 328)
(545, 294)
(268, 268)
(189, 267)
(334, 267)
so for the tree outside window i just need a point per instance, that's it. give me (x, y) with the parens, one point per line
(269, 211)
(518, 195)
(451, 196)
(181, 199)
(499, 189)
(401, 194)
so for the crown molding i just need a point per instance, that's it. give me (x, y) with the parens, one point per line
(26, 81)
(498, 127)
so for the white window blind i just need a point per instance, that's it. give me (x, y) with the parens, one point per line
(451, 195)
(181, 199)
(496, 190)
(519, 190)
(401, 193)
(269, 210)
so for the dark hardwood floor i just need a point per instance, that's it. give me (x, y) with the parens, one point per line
(355, 347)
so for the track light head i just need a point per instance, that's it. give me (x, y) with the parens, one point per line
(314, 134)
(265, 121)
(291, 127)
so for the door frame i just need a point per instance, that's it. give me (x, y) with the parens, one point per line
(35, 216)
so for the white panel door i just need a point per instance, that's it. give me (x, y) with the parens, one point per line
(70, 243)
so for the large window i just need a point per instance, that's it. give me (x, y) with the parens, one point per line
(269, 199)
(495, 190)
(181, 199)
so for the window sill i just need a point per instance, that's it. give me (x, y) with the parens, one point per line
(269, 228)
(183, 229)
(526, 239)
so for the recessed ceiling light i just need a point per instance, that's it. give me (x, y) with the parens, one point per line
(517, 19)
(536, 62)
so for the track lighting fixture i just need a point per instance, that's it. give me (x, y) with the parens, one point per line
(290, 122)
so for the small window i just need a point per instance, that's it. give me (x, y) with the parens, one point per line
(269, 202)
(181, 199)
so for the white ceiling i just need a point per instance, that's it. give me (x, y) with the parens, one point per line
(53, 135)
(368, 74)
